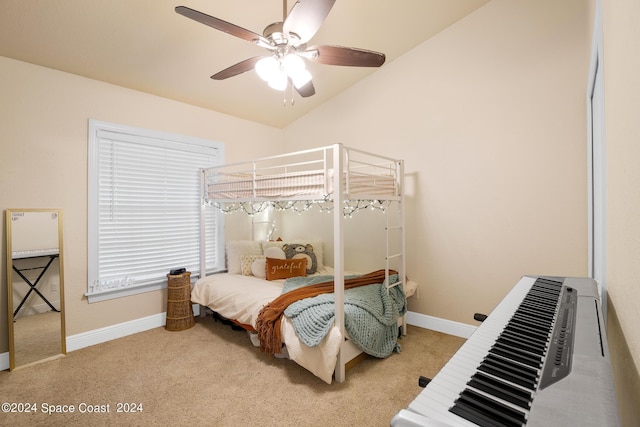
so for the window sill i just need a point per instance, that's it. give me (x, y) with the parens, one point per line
(123, 292)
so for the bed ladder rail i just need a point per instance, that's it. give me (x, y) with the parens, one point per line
(395, 235)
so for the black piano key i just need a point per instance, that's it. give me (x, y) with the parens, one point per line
(494, 413)
(534, 321)
(516, 350)
(522, 335)
(515, 374)
(550, 283)
(543, 317)
(524, 370)
(537, 310)
(527, 338)
(542, 294)
(532, 316)
(471, 415)
(538, 290)
(546, 298)
(528, 331)
(501, 390)
(527, 360)
(541, 309)
(543, 298)
(521, 344)
(523, 338)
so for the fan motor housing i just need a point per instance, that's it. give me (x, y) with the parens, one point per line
(275, 32)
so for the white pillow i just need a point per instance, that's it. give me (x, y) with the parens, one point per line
(259, 268)
(246, 261)
(274, 252)
(236, 249)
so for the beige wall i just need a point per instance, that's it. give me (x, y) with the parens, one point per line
(43, 164)
(490, 118)
(621, 46)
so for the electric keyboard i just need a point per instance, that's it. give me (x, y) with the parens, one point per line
(539, 359)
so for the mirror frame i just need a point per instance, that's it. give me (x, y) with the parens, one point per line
(8, 237)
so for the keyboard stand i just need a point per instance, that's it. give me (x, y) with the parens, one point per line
(33, 286)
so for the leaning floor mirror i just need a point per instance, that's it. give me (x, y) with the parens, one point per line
(35, 285)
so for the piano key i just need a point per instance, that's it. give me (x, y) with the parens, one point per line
(529, 331)
(501, 389)
(524, 337)
(463, 383)
(441, 392)
(512, 354)
(535, 347)
(521, 378)
(492, 412)
(537, 350)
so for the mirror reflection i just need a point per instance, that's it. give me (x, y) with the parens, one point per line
(35, 285)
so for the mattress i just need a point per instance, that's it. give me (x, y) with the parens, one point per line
(241, 298)
(297, 184)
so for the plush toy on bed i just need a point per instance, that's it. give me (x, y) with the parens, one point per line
(298, 250)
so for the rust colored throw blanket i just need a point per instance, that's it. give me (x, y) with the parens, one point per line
(268, 322)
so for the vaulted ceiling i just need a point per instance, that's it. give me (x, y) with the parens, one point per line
(145, 45)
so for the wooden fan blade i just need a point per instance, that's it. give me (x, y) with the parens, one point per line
(306, 17)
(348, 56)
(306, 90)
(221, 25)
(239, 68)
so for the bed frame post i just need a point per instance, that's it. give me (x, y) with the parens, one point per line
(338, 255)
(203, 224)
(403, 265)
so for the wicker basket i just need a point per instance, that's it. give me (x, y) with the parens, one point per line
(179, 309)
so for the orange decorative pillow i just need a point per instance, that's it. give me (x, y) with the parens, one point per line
(285, 268)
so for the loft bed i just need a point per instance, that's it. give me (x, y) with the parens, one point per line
(336, 178)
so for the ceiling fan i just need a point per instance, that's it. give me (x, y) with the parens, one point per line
(287, 45)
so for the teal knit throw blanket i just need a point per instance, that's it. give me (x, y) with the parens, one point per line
(371, 315)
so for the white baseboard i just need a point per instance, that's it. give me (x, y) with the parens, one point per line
(108, 333)
(4, 361)
(440, 325)
(97, 336)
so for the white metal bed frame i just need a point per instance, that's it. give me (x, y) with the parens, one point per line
(338, 167)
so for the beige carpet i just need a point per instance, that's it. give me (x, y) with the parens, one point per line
(37, 337)
(213, 376)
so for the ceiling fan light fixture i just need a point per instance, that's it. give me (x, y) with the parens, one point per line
(293, 63)
(278, 81)
(300, 78)
(267, 67)
(295, 68)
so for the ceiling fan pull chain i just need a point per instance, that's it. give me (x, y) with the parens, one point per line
(293, 96)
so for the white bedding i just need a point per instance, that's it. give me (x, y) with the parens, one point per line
(241, 298)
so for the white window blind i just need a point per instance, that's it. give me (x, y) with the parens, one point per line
(144, 209)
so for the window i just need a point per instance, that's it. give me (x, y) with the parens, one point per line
(145, 209)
